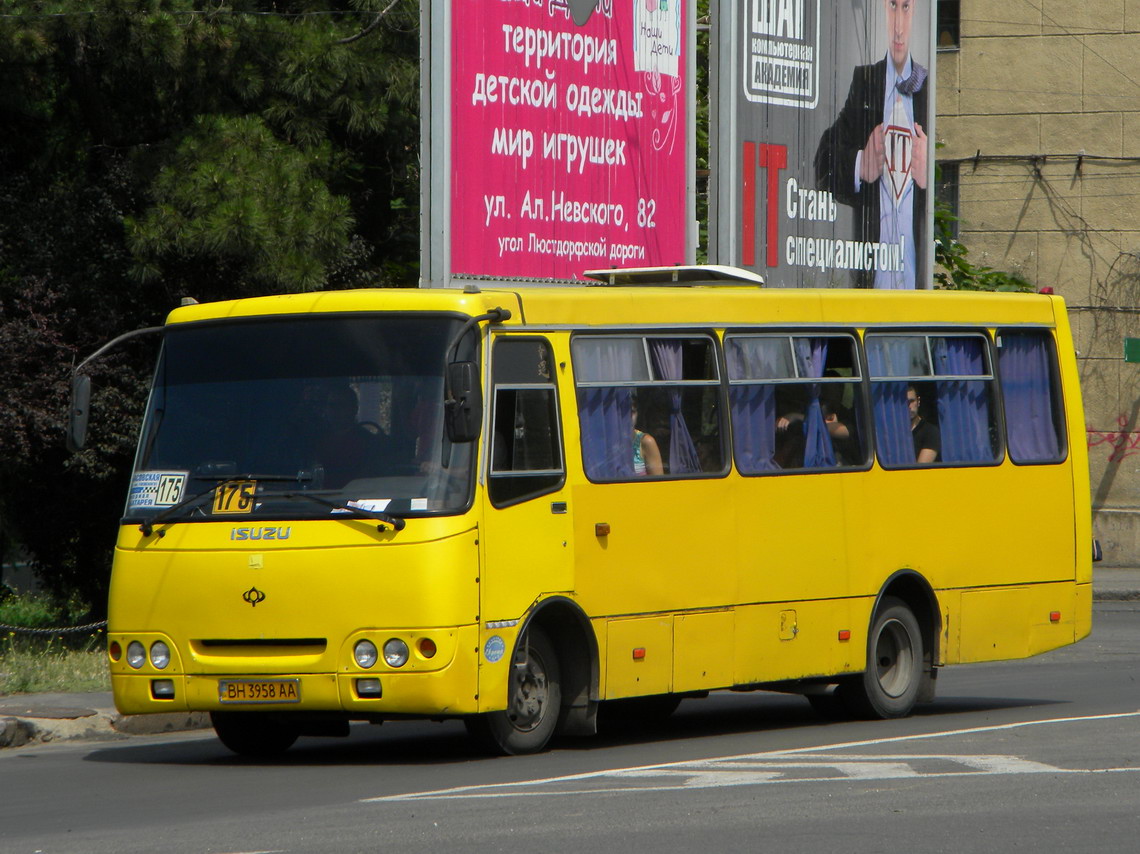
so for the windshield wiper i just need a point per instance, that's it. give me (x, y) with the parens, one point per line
(171, 514)
(396, 522)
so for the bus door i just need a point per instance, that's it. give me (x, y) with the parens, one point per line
(527, 548)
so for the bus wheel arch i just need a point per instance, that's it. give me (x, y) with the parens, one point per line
(552, 685)
(577, 647)
(902, 650)
(919, 596)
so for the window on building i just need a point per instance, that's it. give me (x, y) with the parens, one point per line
(946, 192)
(949, 20)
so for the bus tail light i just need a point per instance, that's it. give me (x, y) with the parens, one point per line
(115, 650)
(427, 647)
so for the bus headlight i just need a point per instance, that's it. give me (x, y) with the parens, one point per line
(159, 655)
(365, 653)
(396, 653)
(136, 654)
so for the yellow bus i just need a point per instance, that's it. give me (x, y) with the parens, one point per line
(516, 505)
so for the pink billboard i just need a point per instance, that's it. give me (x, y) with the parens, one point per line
(569, 140)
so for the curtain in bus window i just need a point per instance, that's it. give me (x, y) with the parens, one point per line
(605, 414)
(754, 406)
(891, 357)
(667, 362)
(1027, 391)
(811, 355)
(963, 405)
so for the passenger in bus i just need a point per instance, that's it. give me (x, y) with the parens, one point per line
(646, 453)
(843, 440)
(348, 449)
(927, 437)
(838, 419)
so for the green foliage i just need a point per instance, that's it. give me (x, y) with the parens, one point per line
(41, 662)
(39, 611)
(155, 149)
(234, 192)
(28, 668)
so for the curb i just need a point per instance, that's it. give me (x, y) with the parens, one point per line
(90, 724)
(1117, 596)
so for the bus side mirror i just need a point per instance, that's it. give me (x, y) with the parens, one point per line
(77, 417)
(463, 408)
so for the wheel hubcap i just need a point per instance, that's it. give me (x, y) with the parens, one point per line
(531, 693)
(894, 658)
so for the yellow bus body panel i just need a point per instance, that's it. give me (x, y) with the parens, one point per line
(281, 607)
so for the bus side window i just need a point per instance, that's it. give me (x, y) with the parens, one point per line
(672, 384)
(526, 441)
(796, 402)
(935, 391)
(1034, 419)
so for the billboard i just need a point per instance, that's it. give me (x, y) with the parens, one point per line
(821, 137)
(558, 137)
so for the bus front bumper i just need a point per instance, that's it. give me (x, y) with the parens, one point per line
(452, 691)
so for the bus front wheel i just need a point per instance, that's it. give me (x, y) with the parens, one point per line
(251, 734)
(534, 701)
(889, 686)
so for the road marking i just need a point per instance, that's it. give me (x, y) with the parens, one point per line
(792, 765)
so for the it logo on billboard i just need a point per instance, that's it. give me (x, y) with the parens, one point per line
(898, 152)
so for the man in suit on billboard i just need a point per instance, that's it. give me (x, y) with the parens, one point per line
(874, 158)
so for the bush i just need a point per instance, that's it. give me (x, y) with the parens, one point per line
(29, 663)
(38, 611)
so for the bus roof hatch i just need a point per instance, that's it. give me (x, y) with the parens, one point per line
(706, 274)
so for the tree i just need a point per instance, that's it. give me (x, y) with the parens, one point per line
(155, 149)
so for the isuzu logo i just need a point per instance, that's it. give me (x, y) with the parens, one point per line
(253, 596)
(266, 533)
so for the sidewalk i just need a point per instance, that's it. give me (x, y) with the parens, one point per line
(39, 718)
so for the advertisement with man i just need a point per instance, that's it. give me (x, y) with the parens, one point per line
(822, 177)
(568, 137)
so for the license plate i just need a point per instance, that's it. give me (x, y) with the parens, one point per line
(259, 691)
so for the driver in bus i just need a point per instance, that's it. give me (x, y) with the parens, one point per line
(348, 449)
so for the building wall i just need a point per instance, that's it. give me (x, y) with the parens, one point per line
(1040, 106)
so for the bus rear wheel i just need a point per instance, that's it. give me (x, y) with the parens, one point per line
(534, 702)
(251, 734)
(889, 686)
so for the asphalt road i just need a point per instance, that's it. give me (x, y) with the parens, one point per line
(1040, 755)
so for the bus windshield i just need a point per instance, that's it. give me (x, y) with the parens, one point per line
(301, 418)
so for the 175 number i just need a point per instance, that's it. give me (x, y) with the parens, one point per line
(235, 496)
